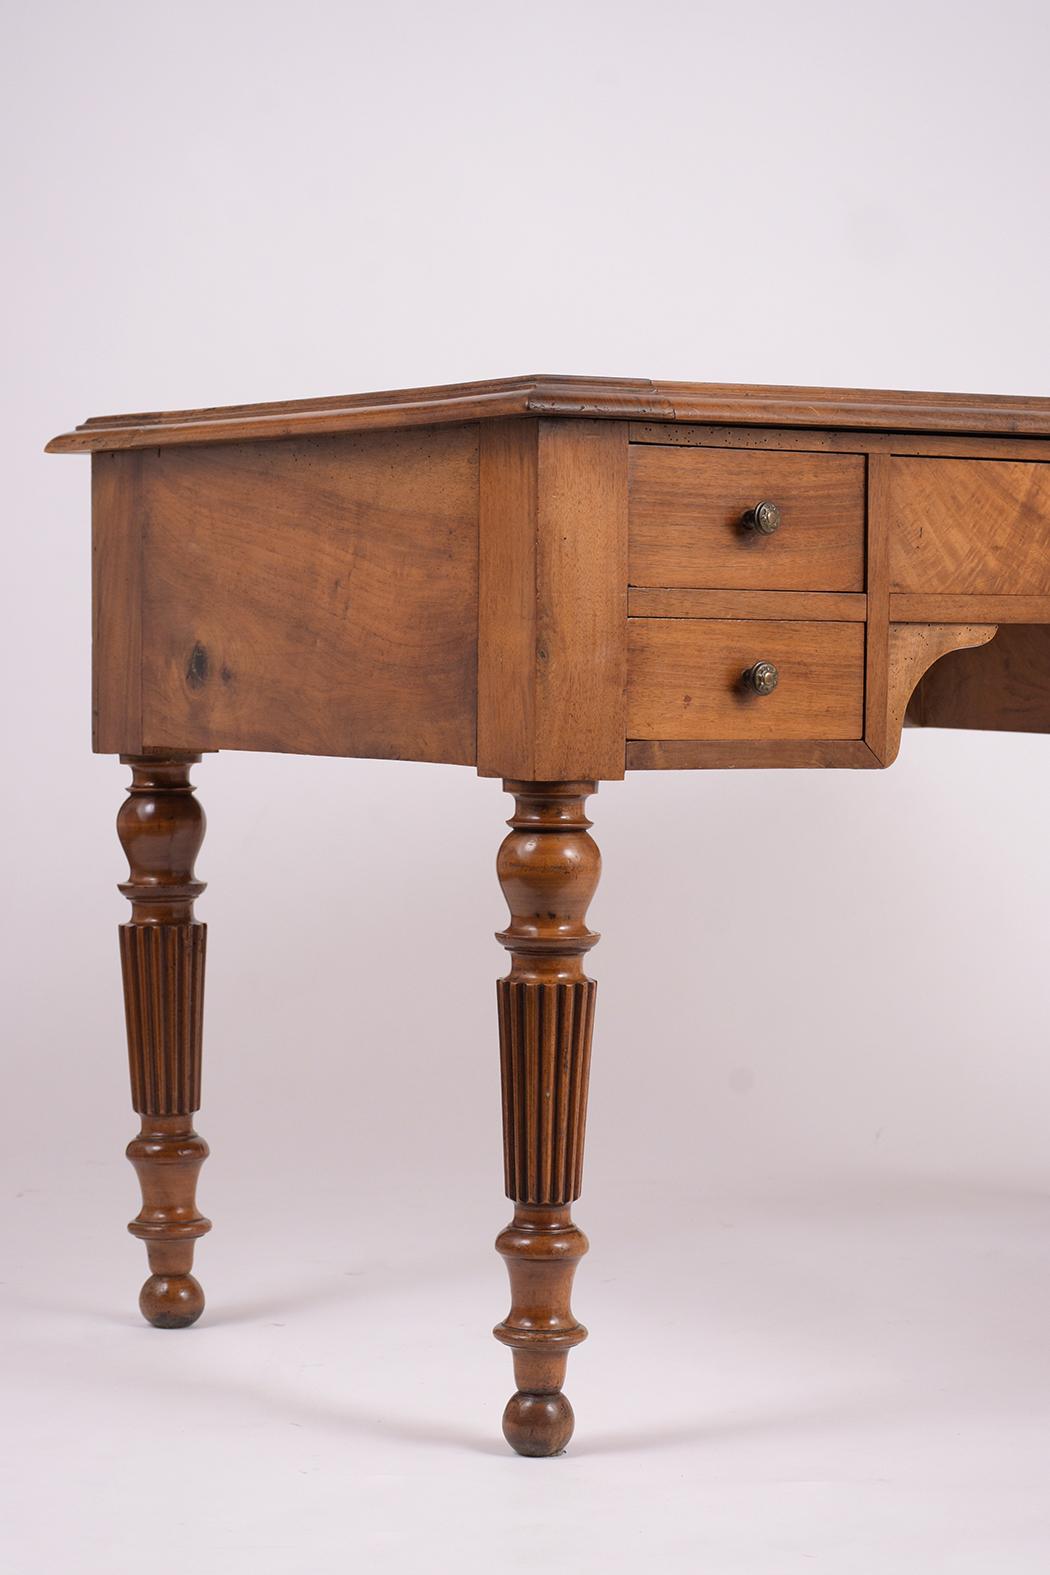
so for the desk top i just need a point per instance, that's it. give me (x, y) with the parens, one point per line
(631, 399)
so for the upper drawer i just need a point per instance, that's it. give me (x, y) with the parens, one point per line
(687, 506)
(970, 526)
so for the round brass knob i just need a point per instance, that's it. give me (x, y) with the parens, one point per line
(764, 517)
(761, 679)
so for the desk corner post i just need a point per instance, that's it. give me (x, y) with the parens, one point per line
(161, 827)
(548, 868)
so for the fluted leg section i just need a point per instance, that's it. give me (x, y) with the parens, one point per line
(161, 827)
(548, 868)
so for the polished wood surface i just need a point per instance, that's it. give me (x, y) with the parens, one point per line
(913, 649)
(649, 602)
(878, 729)
(116, 601)
(161, 827)
(966, 528)
(945, 443)
(748, 754)
(553, 592)
(628, 399)
(1001, 687)
(684, 679)
(547, 579)
(686, 508)
(548, 867)
(318, 598)
(922, 608)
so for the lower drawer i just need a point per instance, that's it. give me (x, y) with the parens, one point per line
(685, 679)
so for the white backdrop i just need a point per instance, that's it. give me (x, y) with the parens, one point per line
(229, 202)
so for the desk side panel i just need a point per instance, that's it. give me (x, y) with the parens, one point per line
(314, 596)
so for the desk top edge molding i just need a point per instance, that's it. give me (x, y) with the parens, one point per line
(626, 399)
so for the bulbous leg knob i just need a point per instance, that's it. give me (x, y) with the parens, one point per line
(171, 1301)
(538, 1425)
(167, 1154)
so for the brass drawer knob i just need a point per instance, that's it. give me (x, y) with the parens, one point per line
(761, 679)
(764, 517)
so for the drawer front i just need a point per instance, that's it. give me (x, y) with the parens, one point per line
(687, 505)
(970, 526)
(684, 679)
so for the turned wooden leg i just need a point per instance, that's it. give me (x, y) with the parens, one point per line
(548, 868)
(161, 827)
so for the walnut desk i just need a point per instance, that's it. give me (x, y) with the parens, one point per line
(553, 580)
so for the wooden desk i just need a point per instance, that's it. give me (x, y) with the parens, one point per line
(553, 580)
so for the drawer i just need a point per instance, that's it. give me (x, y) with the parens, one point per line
(684, 679)
(970, 526)
(686, 507)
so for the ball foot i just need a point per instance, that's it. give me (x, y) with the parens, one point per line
(538, 1425)
(171, 1301)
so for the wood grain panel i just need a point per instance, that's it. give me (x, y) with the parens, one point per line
(315, 596)
(553, 600)
(116, 565)
(685, 519)
(976, 527)
(683, 679)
